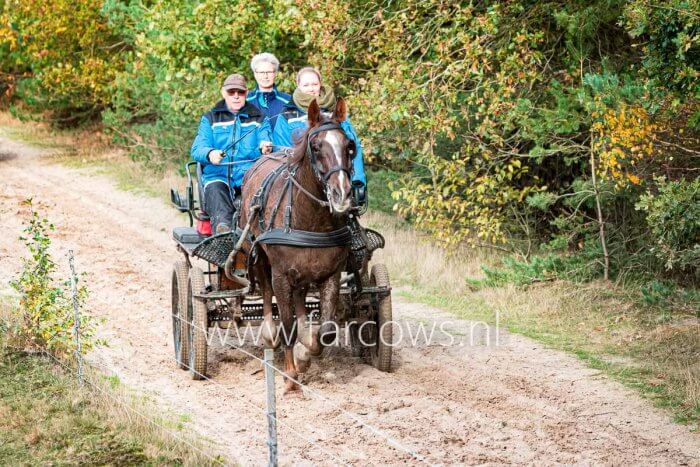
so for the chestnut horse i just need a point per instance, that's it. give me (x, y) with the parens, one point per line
(306, 196)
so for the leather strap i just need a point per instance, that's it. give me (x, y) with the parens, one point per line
(302, 238)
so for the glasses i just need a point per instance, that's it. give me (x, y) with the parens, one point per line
(235, 92)
(265, 73)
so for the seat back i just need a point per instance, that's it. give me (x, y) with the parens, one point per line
(200, 193)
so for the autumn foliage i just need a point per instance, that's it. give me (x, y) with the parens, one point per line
(520, 124)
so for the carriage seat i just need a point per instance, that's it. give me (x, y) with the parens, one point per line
(188, 236)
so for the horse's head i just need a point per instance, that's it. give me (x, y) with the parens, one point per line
(330, 153)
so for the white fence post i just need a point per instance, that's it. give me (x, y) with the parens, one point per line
(271, 406)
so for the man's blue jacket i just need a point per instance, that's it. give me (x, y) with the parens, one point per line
(218, 129)
(292, 123)
(270, 103)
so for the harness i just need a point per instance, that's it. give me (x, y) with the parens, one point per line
(286, 235)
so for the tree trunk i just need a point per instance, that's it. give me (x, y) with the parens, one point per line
(601, 223)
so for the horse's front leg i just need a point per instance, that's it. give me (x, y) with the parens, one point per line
(305, 333)
(307, 345)
(283, 292)
(269, 328)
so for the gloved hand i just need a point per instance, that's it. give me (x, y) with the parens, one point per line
(359, 193)
(215, 156)
(266, 147)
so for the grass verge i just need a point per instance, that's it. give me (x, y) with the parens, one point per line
(654, 349)
(601, 324)
(45, 419)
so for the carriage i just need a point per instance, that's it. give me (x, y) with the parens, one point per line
(209, 287)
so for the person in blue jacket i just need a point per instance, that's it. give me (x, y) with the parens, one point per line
(292, 122)
(233, 131)
(265, 96)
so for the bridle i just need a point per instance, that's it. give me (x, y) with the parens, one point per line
(323, 177)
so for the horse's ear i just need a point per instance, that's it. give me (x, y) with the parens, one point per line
(314, 114)
(341, 111)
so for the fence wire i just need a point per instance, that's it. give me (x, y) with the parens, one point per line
(131, 409)
(290, 428)
(355, 417)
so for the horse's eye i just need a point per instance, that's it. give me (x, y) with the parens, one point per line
(316, 145)
(351, 149)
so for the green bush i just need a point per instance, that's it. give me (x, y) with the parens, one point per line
(379, 188)
(46, 315)
(62, 55)
(578, 266)
(673, 218)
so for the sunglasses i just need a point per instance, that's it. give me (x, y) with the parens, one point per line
(235, 92)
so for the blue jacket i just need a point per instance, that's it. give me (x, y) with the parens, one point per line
(220, 127)
(292, 122)
(270, 104)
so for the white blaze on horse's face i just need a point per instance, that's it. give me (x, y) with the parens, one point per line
(338, 188)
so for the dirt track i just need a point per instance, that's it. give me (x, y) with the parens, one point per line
(516, 402)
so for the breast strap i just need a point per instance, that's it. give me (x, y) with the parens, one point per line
(303, 238)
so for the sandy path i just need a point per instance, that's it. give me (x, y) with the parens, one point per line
(450, 402)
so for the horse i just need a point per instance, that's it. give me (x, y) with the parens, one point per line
(311, 244)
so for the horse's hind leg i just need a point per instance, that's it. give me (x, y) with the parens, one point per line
(329, 292)
(283, 292)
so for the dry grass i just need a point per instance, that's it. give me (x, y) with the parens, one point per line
(49, 419)
(414, 259)
(160, 433)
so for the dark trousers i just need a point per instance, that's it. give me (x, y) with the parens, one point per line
(218, 204)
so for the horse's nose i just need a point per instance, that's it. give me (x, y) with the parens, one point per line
(339, 200)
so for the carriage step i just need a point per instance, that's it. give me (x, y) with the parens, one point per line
(313, 315)
(254, 311)
(222, 293)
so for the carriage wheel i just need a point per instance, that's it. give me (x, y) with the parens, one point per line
(198, 325)
(380, 353)
(179, 309)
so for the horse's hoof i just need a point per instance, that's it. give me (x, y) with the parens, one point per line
(316, 349)
(302, 357)
(291, 388)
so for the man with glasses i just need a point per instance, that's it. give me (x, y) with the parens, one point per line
(236, 132)
(265, 96)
